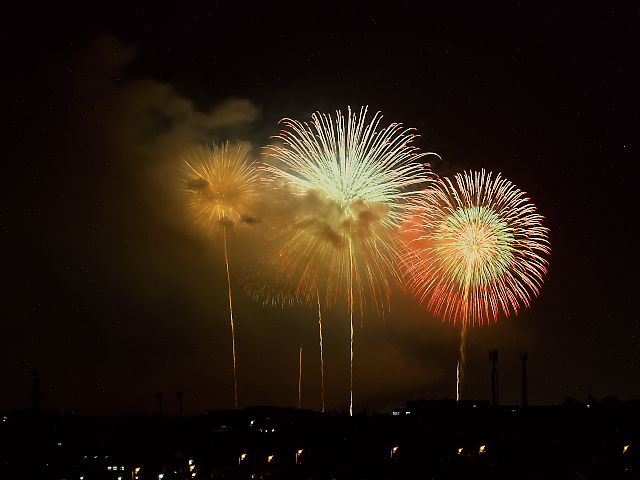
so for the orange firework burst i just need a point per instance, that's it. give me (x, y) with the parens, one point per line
(222, 185)
(478, 248)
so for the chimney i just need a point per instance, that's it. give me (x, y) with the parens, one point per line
(525, 393)
(493, 358)
(179, 397)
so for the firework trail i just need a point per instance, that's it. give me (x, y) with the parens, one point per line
(321, 350)
(300, 380)
(233, 329)
(461, 363)
(458, 381)
(222, 186)
(345, 181)
(478, 250)
(350, 326)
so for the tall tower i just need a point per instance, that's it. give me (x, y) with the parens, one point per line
(493, 358)
(525, 393)
(159, 399)
(179, 397)
(36, 396)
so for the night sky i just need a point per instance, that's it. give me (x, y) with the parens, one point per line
(112, 295)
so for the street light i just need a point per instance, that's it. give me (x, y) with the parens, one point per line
(134, 473)
(483, 449)
(241, 458)
(270, 458)
(625, 448)
(298, 453)
(460, 451)
(394, 450)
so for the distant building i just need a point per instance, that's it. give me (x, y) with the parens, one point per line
(426, 406)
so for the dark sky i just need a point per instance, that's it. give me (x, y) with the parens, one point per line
(113, 296)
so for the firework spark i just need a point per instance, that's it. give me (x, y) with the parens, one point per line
(478, 249)
(222, 186)
(346, 181)
(265, 288)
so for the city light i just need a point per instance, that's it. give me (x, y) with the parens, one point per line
(460, 451)
(241, 458)
(394, 450)
(269, 458)
(625, 448)
(483, 449)
(298, 453)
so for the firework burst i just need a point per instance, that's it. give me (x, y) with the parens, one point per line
(345, 181)
(477, 249)
(223, 188)
(222, 184)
